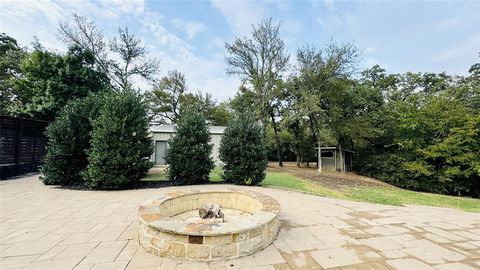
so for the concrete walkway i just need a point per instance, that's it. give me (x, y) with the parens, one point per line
(45, 227)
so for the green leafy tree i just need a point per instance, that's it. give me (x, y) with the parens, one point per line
(352, 115)
(39, 73)
(244, 100)
(189, 151)
(443, 135)
(219, 115)
(11, 56)
(214, 114)
(427, 135)
(295, 121)
(48, 81)
(243, 151)
(260, 61)
(318, 71)
(166, 98)
(69, 142)
(120, 144)
(170, 96)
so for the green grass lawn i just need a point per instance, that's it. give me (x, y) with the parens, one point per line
(397, 196)
(215, 176)
(381, 195)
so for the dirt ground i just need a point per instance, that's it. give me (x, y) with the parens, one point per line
(334, 180)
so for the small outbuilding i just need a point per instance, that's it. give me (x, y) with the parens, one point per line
(332, 160)
(161, 133)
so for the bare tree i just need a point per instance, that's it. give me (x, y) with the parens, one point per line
(133, 58)
(260, 61)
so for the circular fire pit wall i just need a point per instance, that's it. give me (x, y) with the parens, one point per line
(170, 226)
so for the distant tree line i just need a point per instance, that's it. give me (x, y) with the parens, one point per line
(419, 131)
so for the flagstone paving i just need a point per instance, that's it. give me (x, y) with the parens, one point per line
(46, 227)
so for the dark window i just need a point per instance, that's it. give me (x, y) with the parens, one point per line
(327, 154)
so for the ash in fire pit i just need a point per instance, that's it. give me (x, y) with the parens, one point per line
(211, 210)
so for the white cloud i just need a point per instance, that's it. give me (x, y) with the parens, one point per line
(118, 7)
(23, 19)
(241, 15)
(189, 27)
(468, 48)
(206, 75)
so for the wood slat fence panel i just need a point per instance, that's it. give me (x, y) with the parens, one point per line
(23, 145)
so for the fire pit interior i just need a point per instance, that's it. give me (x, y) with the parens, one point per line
(208, 225)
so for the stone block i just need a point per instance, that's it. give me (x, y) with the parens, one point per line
(255, 232)
(178, 250)
(237, 237)
(408, 264)
(207, 240)
(257, 243)
(222, 239)
(163, 248)
(166, 236)
(180, 238)
(203, 252)
(146, 239)
(218, 251)
(231, 250)
(245, 247)
(190, 251)
(335, 257)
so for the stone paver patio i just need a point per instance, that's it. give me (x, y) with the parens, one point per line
(45, 227)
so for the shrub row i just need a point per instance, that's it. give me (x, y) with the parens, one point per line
(242, 150)
(99, 142)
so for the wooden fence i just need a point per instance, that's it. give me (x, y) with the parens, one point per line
(22, 145)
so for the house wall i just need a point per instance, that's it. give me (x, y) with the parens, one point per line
(216, 138)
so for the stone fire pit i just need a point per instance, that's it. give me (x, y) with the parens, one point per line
(170, 226)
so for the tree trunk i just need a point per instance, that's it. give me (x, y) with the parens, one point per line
(313, 128)
(277, 139)
(342, 159)
(299, 153)
(319, 162)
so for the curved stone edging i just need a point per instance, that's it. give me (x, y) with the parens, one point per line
(166, 237)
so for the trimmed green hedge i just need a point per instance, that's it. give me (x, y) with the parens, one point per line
(189, 151)
(69, 142)
(243, 151)
(121, 148)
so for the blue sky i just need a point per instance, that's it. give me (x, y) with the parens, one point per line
(426, 36)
